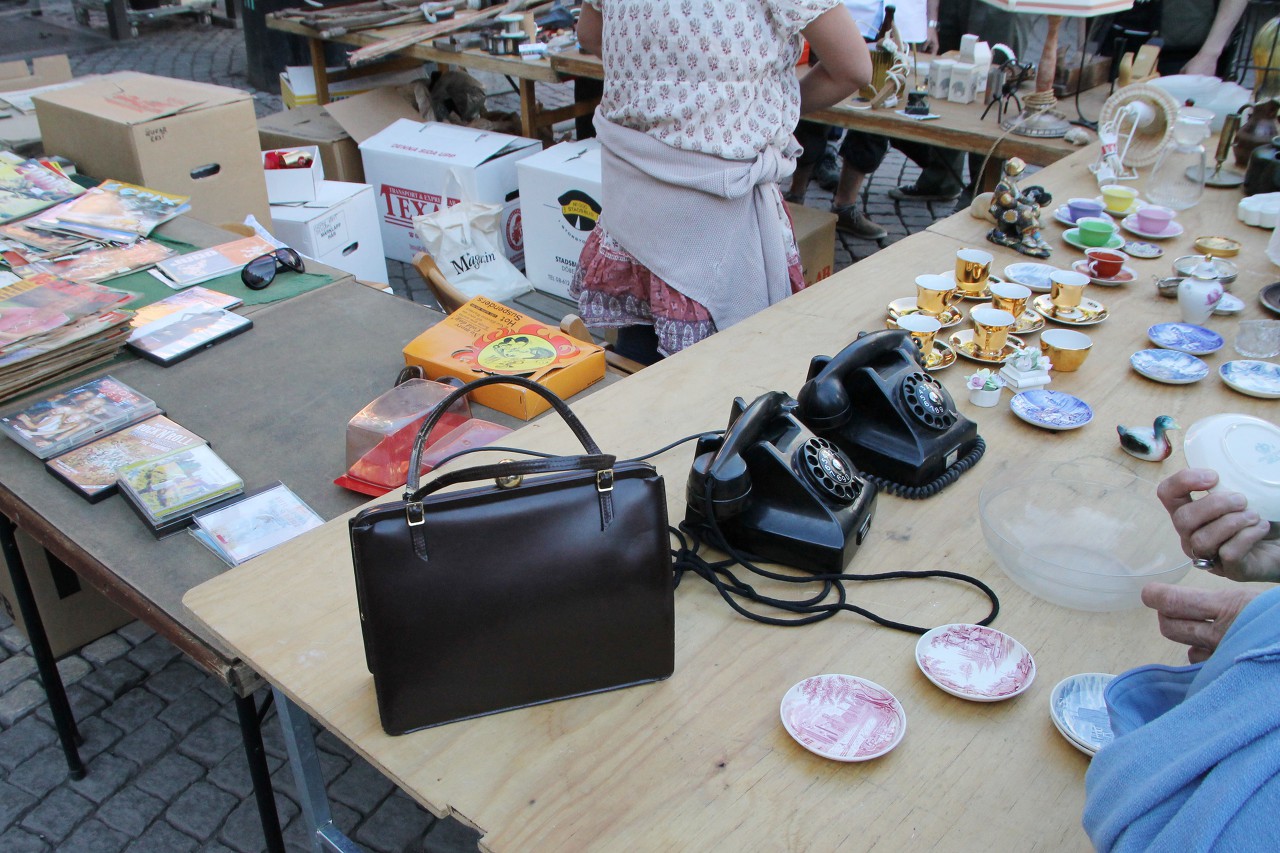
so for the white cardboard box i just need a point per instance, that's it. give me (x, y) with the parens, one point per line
(285, 186)
(559, 207)
(411, 166)
(340, 228)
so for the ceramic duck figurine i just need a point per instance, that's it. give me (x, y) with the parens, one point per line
(1152, 444)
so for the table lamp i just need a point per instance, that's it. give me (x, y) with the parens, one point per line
(1038, 117)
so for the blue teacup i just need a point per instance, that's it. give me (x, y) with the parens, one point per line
(1080, 207)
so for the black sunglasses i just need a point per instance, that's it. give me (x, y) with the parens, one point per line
(261, 271)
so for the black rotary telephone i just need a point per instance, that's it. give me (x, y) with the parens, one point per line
(897, 423)
(773, 489)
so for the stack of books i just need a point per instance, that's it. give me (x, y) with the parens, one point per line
(50, 327)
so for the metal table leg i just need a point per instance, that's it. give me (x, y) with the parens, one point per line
(64, 721)
(307, 776)
(251, 733)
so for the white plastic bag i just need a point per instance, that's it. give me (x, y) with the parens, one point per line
(466, 242)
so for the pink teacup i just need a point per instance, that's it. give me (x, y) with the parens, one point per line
(1155, 219)
(1105, 263)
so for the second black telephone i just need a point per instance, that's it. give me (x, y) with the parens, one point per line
(895, 421)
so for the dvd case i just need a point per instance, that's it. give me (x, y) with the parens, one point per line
(241, 529)
(182, 334)
(68, 419)
(168, 490)
(91, 468)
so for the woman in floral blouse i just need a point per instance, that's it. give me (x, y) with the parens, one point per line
(700, 98)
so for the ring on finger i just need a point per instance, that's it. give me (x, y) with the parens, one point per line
(1206, 563)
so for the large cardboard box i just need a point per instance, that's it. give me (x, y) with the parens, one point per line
(44, 71)
(298, 84)
(815, 232)
(180, 137)
(559, 207)
(313, 126)
(339, 228)
(73, 613)
(414, 167)
(484, 337)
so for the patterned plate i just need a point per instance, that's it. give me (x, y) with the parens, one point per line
(1029, 323)
(843, 717)
(1091, 311)
(975, 662)
(1169, 366)
(1031, 274)
(1185, 337)
(1140, 249)
(942, 357)
(1130, 224)
(1078, 710)
(1053, 410)
(907, 305)
(1255, 378)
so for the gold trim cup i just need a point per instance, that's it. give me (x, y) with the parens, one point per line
(935, 293)
(1066, 293)
(1010, 296)
(922, 329)
(991, 328)
(973, 271)
(1066, 348)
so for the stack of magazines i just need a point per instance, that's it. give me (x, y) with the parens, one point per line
(112, 212)
(30, 186)
(50, 327)
(167, 490)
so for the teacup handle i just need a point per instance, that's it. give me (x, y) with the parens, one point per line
(953, 297)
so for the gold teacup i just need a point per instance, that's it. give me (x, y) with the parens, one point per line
(1067, 291)
(991, 328)
(922, 329)
(1066, 348)
(935, 293)
(973, 270)
(1010, 296)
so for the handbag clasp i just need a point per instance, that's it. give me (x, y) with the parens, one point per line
(414, 515)
(604, 480)
(508, 481)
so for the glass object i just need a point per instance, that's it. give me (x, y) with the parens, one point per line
(1258, 338)
(1177, 179)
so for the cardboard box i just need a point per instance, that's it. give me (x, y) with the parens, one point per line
(815, 232)
(559, 207)
(171, 135)
(484, 337)
(286, 186)
(44, 71)
(298, 84)
(414, 167)
(340, 228)
(73, 613)
(363, 115)
(314, 126)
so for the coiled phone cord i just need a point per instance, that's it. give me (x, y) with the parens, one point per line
(943, 480)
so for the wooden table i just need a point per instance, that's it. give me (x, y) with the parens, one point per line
(700, 761)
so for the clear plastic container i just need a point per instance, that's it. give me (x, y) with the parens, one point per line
(404, 405)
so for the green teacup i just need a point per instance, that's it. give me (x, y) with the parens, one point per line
(1095, 230)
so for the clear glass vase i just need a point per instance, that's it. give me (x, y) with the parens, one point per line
(1177, 179)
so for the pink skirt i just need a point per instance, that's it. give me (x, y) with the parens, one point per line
(613, 289)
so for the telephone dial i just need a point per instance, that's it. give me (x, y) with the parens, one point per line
(773, 489)
(897, 423)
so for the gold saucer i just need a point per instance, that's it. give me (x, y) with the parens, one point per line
(1029, 323)
(962, 343)
(942, 357)
(985, 293)
(907, 305)
(1090, 311)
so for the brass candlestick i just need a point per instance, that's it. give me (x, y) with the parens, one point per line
(1220, 177)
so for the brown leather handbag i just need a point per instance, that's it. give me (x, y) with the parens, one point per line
(552, 581)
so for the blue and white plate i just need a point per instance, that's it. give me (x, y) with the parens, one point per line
(1169, 366)
(1142, 249)
(1255, 378)
(1054, 410)
(1079, 712)
(1031, 274)
(1184, 337)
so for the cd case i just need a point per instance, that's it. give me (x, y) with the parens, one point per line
(68, 419)
(91, 468)
(168, 490)
(182, 334)
(240, 529)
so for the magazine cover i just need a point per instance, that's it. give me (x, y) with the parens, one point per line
(179, 482)
(183, 333)
(39, 244)
(91, 468)
(114, 210)
(205, 264)
(38, 305)
(201, 298)
(101, 264)
(256, 523)
(28, 186)
(70, 418)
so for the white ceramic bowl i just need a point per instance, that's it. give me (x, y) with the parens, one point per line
(1241, 448)
(1087, 534)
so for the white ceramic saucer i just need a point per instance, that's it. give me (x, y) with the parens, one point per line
(1078, 711)
(1063, 214)
(1031, 274)
(1242, 449)
(843, 717)
(1143, 250)
(1255, 378)
(1229, 305)
(975, 662)
(1130, 224)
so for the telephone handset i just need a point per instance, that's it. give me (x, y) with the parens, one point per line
(893, 420)
(773, 489)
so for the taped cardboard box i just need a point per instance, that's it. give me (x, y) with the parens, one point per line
(176, 136)
(314, 126)
(43, 71)
(339, 228)
(484, 337)
(559, 208)
(815, 232)
(73, 613)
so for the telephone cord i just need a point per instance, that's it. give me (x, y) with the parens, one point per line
(943, 480)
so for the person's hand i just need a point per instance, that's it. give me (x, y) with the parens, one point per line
(1220, 527)
(930, 43)
(1201, 64)
(1196, 617)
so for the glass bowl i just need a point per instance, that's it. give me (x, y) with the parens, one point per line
(1084, 534)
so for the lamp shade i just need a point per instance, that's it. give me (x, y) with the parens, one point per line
(1065, 8)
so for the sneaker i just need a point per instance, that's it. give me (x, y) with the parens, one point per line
(914, 192)
(827, 173)
(853, 222)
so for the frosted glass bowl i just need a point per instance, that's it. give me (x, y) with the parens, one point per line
(1085, 535)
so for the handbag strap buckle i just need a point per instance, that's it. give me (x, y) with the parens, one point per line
(414, 514)
(604, 480)
(508, 481)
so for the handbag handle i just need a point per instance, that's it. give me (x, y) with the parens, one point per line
(507, 468)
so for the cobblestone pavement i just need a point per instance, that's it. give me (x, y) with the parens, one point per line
(166, 771)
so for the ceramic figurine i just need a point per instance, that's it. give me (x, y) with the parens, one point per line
(984, 387)
(1151, 444)
(1026, 369)
(1017, 213)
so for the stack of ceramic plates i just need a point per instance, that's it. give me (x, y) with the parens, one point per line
(1079, 712)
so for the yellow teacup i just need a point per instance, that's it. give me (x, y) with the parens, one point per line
(1066, 348)
(1066, 292)
(973, 270)
(1010, 296)
(935, 293)
(1117, 198)
(991, 328)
